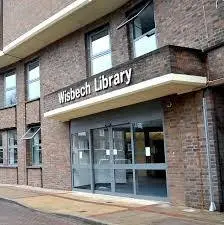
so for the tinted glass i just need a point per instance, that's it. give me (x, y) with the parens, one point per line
(151, 183)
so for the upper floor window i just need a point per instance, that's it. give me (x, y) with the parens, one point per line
(10, 89)
(142, 26)
(33, 81)
(12, 147)
(100, 51)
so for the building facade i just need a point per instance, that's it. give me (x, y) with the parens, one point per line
(119, 97)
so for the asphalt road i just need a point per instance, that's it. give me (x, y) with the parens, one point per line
(13, 214)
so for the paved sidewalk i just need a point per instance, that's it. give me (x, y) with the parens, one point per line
(106, 209)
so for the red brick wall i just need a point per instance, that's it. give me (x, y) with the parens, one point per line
(8, 175)
(186, 152)
(34, 177)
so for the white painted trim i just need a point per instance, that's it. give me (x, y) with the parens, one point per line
(45, 24)
(196, 81)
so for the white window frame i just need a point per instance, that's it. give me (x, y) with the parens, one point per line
(32, 80)
(103, 53)
(9, 89)
(12, 148)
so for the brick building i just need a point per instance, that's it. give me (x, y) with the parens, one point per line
(115, 97)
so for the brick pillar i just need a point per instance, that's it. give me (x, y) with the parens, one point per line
(21, 124)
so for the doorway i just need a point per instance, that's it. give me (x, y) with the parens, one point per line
(125, 159)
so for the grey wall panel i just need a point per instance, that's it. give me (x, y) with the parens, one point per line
(131, 114)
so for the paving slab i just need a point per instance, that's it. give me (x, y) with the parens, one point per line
(108, 209)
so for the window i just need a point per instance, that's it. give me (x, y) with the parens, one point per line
(10, 89)
(100, 51)
(142, 26)
(33, 81)
(12, 147)
(33, 135)
(1, 149)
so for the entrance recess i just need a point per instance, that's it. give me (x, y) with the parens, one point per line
(126, 159)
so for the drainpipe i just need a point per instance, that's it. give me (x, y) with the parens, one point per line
(212, 207)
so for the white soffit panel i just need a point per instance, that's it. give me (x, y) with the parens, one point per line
(64, 22)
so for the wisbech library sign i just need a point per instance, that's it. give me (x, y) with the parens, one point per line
(100, 83)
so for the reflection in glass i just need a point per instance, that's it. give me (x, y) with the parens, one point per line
(144, 32)
(124, 181)
(122, 151)
(151, 183)
(100, 51)
(103, 179)
(149, 142)
(101, 146)
(101, 63)
(81, 160)
(34, 90)
(145, 44)
(10, 97)
(10, 81)
(100, 45)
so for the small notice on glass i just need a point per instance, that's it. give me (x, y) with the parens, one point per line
(80, 155)
(147, 151)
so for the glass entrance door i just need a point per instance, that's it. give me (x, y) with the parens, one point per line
(102, 160)
(127, 159)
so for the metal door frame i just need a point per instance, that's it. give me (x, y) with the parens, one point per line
(133, 166)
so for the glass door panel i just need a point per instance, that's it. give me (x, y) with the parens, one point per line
(122, 159)
(149, 142)
(81, 161)
(102, 160)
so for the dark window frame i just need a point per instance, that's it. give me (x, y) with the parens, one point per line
(8, 74)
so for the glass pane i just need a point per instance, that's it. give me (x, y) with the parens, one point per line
(101, 63)
(10, 97)
(101, 148)
(100, 43)
(81, 151)
(81, 178)
(12, 138)
(122, 150)
(36, 155)
(149, 142)
(10, 81)
(34, 90)
(151, 183)
(13, 156)
(102, 178)
(124, 181)
(1, 156)
(144, 22)
(33, 72)
(145, 44)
